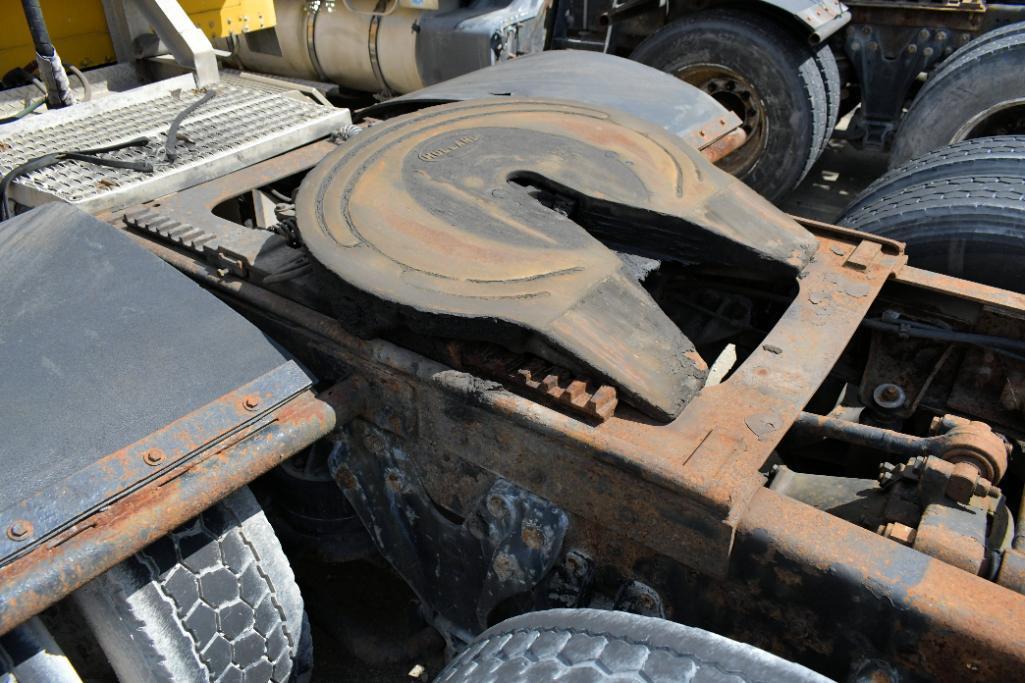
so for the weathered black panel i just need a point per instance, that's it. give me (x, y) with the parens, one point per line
(101, 343)
(588, 78)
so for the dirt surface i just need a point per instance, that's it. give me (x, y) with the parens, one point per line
(366, 625)
(834, 182)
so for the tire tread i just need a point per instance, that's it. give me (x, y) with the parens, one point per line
(212, 595)
(596, 645)
(924, 126)
(801, 69)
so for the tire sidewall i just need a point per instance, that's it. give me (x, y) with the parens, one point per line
(716, 38)
(938, 115)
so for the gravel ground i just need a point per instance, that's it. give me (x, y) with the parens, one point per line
(833, 183)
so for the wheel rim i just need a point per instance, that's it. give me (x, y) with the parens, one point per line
(736, 93)
(1005, 118)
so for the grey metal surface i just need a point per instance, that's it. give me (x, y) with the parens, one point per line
(243, 124)
(822, 17)
(102, 81)
(816, 14)
(587, 78)
(460, 572)
(478, 35)
(132, 25)
(101, 345)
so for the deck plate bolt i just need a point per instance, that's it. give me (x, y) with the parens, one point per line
(19, 530)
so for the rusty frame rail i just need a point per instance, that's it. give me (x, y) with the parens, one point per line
(71, 558)
(691, 493)
(247, 409)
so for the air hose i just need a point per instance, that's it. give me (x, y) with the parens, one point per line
(58, 88)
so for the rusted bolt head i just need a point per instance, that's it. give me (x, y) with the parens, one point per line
(901, 533)
(19, 530)
(889, 396)
(533, 537)
(345, 478)
(251, 402)
(963, 482)
(496, 506)
(154, 456)
(393, 479)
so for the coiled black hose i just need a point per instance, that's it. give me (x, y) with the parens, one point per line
(88, 156)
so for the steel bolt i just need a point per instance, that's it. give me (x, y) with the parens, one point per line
(889, 396)
(153, 456)
(533, 537)
(251, 402)
(497, 507)
(899, 532)
(19, 530)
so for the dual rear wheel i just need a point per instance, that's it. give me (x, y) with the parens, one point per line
(786, 92)
(959, 208)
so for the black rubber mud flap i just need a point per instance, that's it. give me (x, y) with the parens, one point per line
(482, 220)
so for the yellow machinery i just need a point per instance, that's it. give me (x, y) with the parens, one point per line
(79, 27)
(387, 47)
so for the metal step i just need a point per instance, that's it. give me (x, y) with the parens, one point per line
(241, 125)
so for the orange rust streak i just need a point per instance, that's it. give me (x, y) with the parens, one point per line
(973, 291)
(974, 624)
(34, 582)
(725, 145)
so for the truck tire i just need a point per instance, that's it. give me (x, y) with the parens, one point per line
(968, 226)
(992, 156)
(590, 645)
(214, 600)
(977, 91)
(775, 82)
(826, 62)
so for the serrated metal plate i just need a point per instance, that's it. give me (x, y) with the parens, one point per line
(242, 125)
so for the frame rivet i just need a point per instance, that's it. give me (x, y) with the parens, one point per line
(251, 402)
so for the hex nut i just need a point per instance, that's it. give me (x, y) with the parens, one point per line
(901, 533)
(153, 456)
(963, 481)
(19, 530)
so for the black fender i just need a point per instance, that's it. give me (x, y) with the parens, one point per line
(818, 18)
(586, 78)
